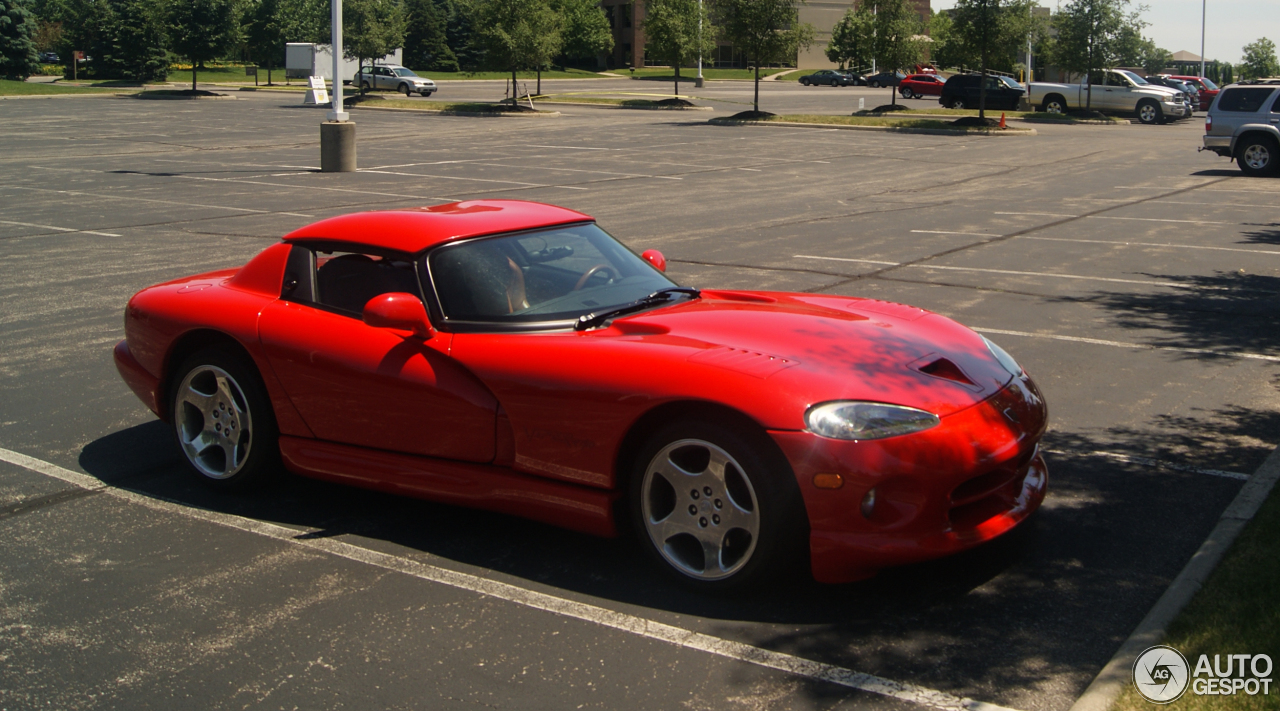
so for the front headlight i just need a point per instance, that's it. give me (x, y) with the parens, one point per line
(1005, 359)
(866, 420)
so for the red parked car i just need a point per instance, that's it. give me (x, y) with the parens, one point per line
(918, 85)
(513, 356)
(1208, 90)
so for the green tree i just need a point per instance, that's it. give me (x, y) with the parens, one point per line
(370, 29)
(1090, 37)
(947, 49)
(519, 34)
(18, 57)
(1259, 60)
(265, 34)
(460, 31)
(585, 31)
(202, 30)
(993, 33)
(305, 21)
(766, 31)
(851, 38)
(425, 43)
(896, 43)
(678, 32)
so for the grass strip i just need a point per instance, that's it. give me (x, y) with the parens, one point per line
(891, 122)
(22, 88)
(1234, 613)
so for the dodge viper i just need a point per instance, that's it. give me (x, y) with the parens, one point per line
(513, 356)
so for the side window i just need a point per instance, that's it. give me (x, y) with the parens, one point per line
(1275, 108)
(1244, 99)
(346, 281)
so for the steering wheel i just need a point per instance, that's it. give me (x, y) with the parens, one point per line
(586, 276)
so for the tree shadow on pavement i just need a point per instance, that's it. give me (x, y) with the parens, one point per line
(1271, 236)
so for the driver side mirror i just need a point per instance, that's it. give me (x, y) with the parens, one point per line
(398, 311)
(655, 258)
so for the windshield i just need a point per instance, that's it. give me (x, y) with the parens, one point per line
(402, 72)
(1133, 77)
(1010, 83)
(1208, 84)
(557, 274)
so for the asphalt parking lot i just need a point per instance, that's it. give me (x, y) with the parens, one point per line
(1134, 278)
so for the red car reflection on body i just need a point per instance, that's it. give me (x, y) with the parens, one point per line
(513, 356)
(917, 85)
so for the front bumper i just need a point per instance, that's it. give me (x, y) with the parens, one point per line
(968, 480)
(1175, 109)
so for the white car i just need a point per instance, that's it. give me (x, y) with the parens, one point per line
(394, 77)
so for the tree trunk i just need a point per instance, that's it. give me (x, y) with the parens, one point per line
(677, 94)
(515, 93)
(539, 91)
(893, 93)
(193, 76)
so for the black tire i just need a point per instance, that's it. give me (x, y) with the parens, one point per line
(406, 90)
(1149, 112)
(956, 103)
(1258, 157)
(1054, 104)
(873, 84)
(364, 86)
(754, 475)
(804, 82)
(218, 391)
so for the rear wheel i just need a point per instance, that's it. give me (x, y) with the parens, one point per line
(907, 93)
(223, 421)
(804, 82)
(957, 103)
(715, 507)
(1149, 112)
(1257, 156)
(364, 86)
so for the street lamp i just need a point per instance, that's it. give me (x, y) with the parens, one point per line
(1202, 16)
(338, 134)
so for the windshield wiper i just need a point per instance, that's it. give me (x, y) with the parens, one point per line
(657, 297)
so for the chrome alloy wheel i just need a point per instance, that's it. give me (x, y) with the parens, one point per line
(700, 509)
(213, 422)
(1257, 156)
(1148, 113)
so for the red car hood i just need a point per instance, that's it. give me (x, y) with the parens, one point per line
(819, 348)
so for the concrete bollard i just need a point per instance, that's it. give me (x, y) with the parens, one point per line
(337, 147)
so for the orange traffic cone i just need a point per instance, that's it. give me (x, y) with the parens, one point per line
(1002, 120)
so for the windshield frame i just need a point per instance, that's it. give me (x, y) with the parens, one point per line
(1134, 78)
(459, 325)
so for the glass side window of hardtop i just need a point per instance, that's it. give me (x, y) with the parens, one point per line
(552, 275)
(344, 281)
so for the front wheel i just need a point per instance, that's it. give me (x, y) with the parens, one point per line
(715, 507)
(1257, 157)
(1149, 113)
(223, 420)
(404, 88)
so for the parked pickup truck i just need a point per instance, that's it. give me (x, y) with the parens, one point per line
(1114, 91)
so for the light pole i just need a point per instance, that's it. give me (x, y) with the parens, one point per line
(338, 134)
(1203, 3)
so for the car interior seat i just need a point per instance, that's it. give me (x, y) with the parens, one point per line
(350, 281)
(479, 280)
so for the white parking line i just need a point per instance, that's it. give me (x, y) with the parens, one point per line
(165, 202)
(1010, 272)
(1124, 344)
(58, 229)
(1109, 217)
(944, 232)
(1155, 463)
(1150, 244)
(632, 624)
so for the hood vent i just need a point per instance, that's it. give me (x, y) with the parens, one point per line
(945, 369)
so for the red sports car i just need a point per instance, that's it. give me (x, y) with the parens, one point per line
(918, 85)
(513, 356)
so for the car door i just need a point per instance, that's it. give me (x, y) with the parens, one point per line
(371, 387)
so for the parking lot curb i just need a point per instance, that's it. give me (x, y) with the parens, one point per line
(633, 108)
(481, 114)
(98, 94)
(889, 129)
(1114, 677)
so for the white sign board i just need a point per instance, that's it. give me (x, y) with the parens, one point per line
(316, 82)
(317, 94)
